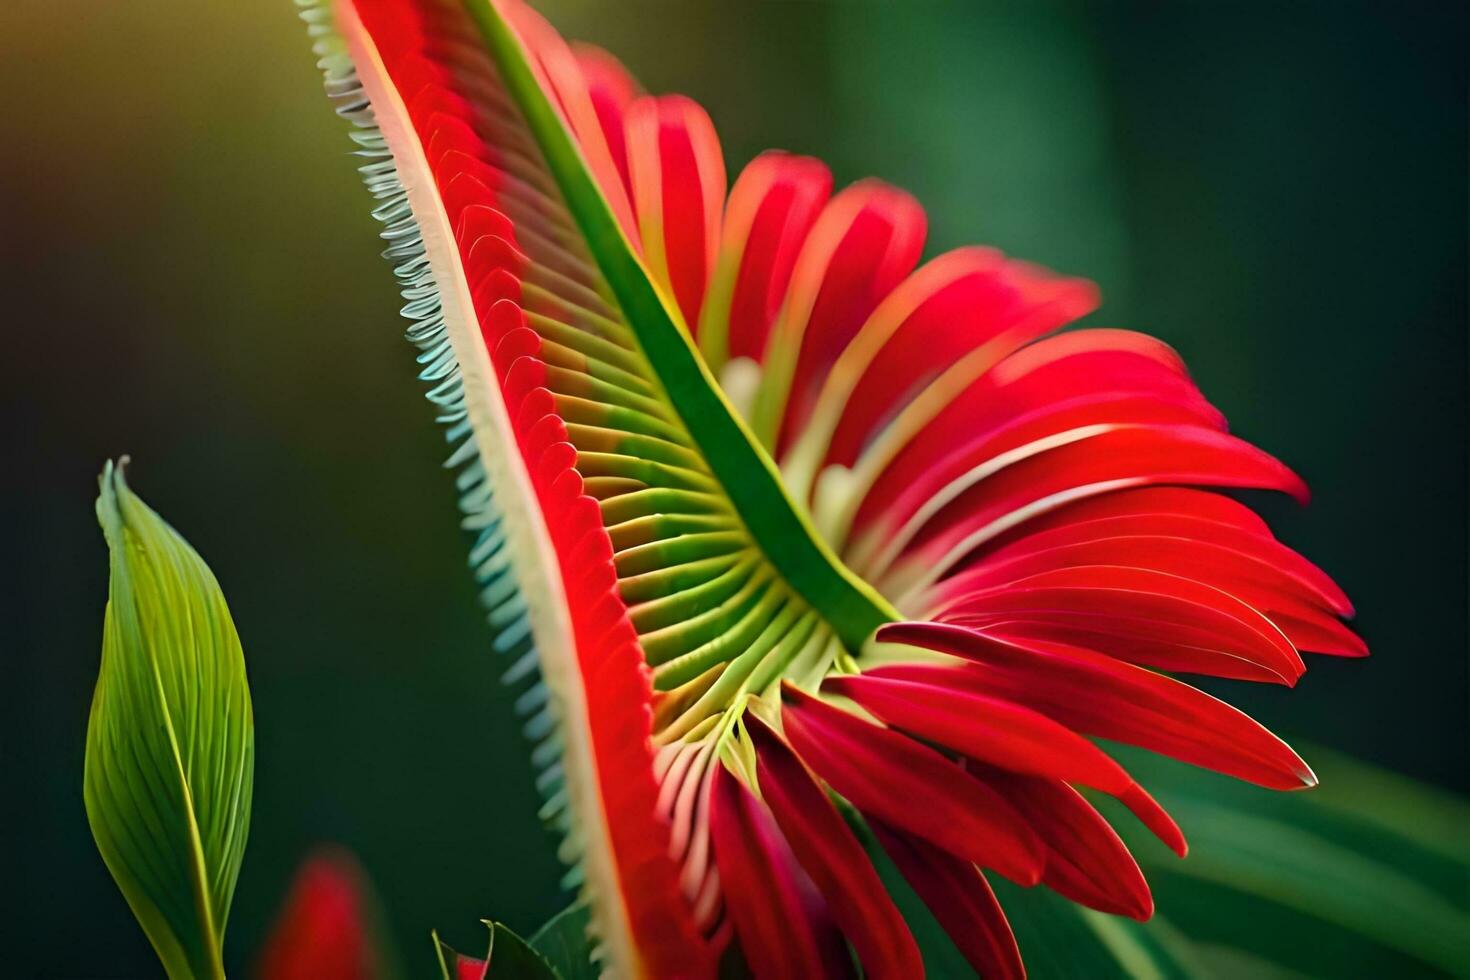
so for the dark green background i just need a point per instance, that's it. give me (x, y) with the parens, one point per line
(191, 276)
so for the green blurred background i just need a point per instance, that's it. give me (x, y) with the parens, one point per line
(191, 276)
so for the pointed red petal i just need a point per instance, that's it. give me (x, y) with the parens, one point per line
(784, 927)
(866, 240)
(1141, 616)
(321, 932)
(832, 856)
(990, 729)
(962, 301)
(1078, 463)
(773, 205)
(1153, 816)
(1097, 695)
(984, 418)
(611, 89)
(1188, 533)
(561, 75)
(1147, 505)
(961, 900)
(888, 774)
(1004, 734)
(678, 179)
(1310, 629)
(1087, 862)
(1261, 568)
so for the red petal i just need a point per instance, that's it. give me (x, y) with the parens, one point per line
(1311, 630)
(1138, 615)
(834, 859)
(678, 178)
(1097, 695)
(773, 205)
(561, 75)
(990, 729)
(1085, 365)
(1004, 734)
(784, 927)
(1148, 504)
(611, 89)
(1191, 547)
(1079, 463)
(889, 775)
(1191, 533)
(321, 932)
(1087, 862)
(961, 900)
(955, 304)
(865, 241)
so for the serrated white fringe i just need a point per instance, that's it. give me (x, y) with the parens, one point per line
(489, 557)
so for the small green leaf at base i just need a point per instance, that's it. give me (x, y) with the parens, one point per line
(564, 941)
(508, 957)
(170, 741)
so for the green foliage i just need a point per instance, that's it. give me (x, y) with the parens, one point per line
(1059, 938)
(563, 941)
(170, 742)
(559, 950)
(1369, 873)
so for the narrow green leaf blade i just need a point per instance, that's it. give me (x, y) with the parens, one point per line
(1060, 938)
(170, 742)
(1367, 868)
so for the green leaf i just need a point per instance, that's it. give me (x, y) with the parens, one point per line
(1223, 961)
(508, 957)
(449, 960)
(565, 943)
(512, 958)
(1059, 938)
(453, 963)
(170, 742)
(1366, 873)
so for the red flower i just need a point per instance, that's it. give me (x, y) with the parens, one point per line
(325, 929)
(916, 548)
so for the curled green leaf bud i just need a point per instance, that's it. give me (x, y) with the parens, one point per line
(171, 739)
